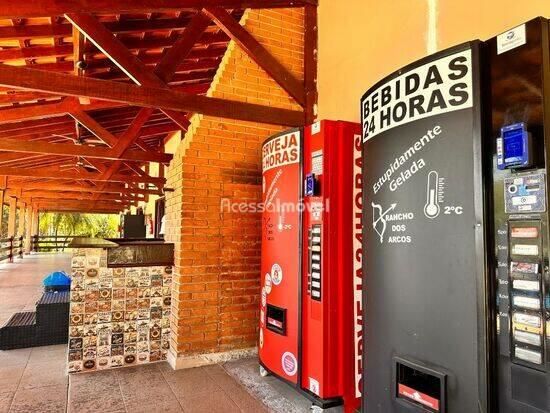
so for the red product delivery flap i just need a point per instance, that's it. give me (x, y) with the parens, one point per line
(418, 397)
(274, 322)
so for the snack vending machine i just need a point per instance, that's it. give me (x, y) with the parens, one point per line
(310, 315)
(520, 144)
(455, 152)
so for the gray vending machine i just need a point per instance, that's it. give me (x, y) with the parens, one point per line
(455, 229)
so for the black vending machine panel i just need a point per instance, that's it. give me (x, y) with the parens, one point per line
(424, 231)
(520, 101)
(456, 153)
(133, 226)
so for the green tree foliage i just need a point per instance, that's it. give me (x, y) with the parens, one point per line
(94, 225)
(5, 217)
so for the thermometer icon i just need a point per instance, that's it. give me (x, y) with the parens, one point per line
(431, 209)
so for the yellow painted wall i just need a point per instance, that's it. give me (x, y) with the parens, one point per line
(170, 146)
(361, 41)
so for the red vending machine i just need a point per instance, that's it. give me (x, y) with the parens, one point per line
(310, 315)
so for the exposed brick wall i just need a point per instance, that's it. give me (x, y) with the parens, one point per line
(217, 263)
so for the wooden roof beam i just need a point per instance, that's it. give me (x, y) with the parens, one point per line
(49, 110)
(310, 63)
(65, 187)
(25, 9)
(293, 86)
(58, 83)
(121, 56)
(63, 50)
(67, 149)
(62, 201)
(53, 173)
(44, 31)
(82, 210)
(70, 195)
(82, 206)
(94, 127)
(165, 69)
(182, 47)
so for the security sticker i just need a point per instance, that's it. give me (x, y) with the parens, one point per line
(276, 274)
(289, 363)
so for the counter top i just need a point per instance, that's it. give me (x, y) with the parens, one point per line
(85, 242)
(129, 252)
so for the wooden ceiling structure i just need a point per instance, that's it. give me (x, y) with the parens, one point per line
(91, 89)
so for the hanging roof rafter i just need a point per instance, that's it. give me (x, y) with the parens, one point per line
(87, 100)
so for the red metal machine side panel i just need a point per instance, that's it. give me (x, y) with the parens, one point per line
(314, 350)
(280, 261)
(328, 324)
(354, 324)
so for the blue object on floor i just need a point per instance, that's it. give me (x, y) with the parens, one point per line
(57, 281)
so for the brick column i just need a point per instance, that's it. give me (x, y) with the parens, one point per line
(217, 252)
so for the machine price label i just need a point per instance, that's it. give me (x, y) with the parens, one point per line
(525, 249)
(529, 338)
(528, 319)
(531, 356)
(526, 232)
(526, 285)
(526, 302)
(524, 267)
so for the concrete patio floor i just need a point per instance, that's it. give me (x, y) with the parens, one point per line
(21, 281)
(35, 380)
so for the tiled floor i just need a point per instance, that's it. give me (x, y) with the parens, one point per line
(35, 380)
(158, 388)
(21, 281)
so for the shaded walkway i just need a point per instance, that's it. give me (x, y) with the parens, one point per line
(36, 380)
(21, 281)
